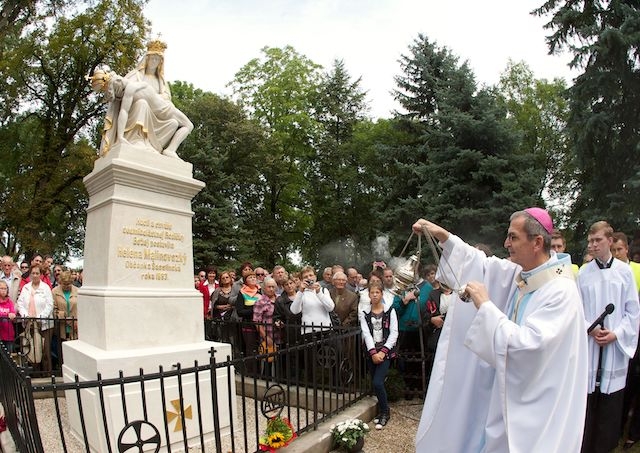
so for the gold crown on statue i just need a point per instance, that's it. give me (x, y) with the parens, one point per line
(156, 47)
(100, 76)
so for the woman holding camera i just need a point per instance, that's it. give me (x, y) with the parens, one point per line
(315, 304)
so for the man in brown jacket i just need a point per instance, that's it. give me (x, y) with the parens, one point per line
(346, 301)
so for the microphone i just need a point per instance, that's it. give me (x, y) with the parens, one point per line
(607, 311)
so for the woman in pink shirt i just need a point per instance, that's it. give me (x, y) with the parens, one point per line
(7, 315)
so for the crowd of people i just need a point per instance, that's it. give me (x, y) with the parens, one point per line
(279, 308)
(38, 308)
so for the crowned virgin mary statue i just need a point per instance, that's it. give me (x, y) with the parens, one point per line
(152, 121)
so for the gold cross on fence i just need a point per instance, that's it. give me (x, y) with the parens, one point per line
(171, 415)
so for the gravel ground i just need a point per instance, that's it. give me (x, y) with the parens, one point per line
(401, 431)
(399, 434)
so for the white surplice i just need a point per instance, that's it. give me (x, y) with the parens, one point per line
(513, 387)
(600, 287)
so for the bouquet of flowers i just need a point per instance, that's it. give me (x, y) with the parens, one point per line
(279, 433)
(346, 434)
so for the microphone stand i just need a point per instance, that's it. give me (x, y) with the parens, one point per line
(600, 322)
(599, 370)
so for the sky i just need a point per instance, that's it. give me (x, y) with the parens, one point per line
(210, 40)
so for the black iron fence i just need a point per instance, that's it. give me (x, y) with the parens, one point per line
(36, 343)
(39, 350)
(305, 375)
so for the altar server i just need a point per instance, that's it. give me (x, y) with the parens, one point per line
(603, 281)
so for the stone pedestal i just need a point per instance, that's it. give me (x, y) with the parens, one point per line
(138, 307)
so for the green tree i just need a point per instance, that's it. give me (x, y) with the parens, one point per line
(462, 169)
(340, 105)
(277, 91)
(48, 116)
(539, 110)
(380, 146)
(17, 14)
(396, 161)
(336, 197)
(604, 38)
(220, 148)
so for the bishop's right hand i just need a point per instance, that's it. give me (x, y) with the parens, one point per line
(435, 230)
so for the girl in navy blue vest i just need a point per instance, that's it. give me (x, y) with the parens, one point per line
(380, 333)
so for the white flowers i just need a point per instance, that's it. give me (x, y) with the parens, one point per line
(355, 424)
(348, 432)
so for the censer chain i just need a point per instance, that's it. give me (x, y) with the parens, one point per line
(436, 250)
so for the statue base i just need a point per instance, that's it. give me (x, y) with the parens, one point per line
(119, 413)
(138, 308)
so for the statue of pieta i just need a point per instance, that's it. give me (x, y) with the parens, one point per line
(140, 110)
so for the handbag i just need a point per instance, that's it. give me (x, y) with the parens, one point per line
(267, 348)
(335, 319)
(231, 315)
(32, 341)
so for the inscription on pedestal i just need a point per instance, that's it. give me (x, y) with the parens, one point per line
(152, 247)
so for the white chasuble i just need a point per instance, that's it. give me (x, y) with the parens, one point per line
(514, 387)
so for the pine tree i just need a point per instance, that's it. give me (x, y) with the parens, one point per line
(336, 200)
(462, 170)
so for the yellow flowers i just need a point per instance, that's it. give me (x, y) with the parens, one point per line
(279, 433)
(276, 440)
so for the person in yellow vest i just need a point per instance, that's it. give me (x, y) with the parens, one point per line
(559, 244)
(620, 250)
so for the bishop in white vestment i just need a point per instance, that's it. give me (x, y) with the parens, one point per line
(510, 375)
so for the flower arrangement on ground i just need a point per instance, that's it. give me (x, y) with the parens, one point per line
(346, 434)
(279, 433)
